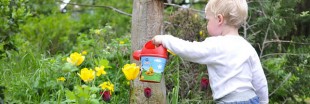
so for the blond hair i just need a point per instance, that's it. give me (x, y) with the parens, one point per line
(235, 12)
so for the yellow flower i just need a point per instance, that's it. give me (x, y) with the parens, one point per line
(201, 33)
(61, 79)
(100, 71)
(87, 75)
(196, 15)
(97, 31)
(76, 59)
(107, 85)
(84, 53)
(131, 71)
(171, 53)
(63, 59)
(121, 42)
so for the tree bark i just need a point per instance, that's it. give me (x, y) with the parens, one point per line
(147, 21)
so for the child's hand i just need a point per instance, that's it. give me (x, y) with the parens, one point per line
(157, 40)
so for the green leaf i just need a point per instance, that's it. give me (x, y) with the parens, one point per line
(93, 96)
(70, 95)
(94, 101)
(83, 92)
(105, 63)
(94, 89)
(68, 67)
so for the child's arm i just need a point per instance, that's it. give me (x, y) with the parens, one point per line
(198, 52)
(259, 80)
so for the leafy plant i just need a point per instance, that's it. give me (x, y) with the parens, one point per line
(13, 13)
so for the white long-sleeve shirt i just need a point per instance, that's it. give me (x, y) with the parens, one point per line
(233, 64)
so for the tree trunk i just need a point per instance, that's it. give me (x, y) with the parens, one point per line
(147, 21)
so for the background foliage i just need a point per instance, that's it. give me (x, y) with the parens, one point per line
(36, 38)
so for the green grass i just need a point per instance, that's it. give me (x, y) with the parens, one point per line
(26, 77)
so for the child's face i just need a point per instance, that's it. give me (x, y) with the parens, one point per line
(214, 27)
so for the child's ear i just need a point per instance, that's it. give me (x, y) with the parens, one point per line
(220, 19)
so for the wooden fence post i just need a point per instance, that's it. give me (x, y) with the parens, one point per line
(147, 21)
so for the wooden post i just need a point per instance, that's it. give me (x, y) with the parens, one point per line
(147, 21)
